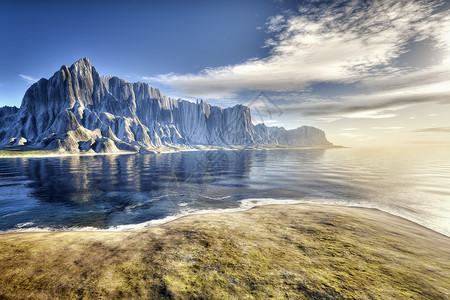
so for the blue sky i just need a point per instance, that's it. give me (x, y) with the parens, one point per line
(126, 38)
(367, 72)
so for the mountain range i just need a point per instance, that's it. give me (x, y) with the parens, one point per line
(77, 110)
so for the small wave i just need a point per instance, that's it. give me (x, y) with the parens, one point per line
(130, 208)
(245, 204)
(14, 213)
(217, 198)
(26, 224)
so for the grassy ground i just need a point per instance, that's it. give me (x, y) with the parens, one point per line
(290, 251)
(25, 152)
(21, 151)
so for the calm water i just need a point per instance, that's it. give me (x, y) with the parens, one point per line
(132, 191)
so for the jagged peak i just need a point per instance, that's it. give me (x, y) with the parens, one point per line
(82, 63)
(64, 68)
(79, 63)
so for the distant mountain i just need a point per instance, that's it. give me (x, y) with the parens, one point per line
(77, 110)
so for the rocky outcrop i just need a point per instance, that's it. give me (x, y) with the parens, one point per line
(300, 137)
(78, 110)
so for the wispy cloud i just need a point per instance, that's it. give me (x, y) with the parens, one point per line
(342, 42)
(434, 129)
(28, 78)
(357, 136)
(388, 128)
(377, 105)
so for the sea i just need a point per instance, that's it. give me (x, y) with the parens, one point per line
(132, 191)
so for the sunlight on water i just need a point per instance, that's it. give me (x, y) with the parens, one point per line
(126, 191)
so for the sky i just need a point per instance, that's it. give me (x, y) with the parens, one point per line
(366, 72)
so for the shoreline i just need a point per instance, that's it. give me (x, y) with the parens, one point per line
(22, 153)
(290, 250)
(245, 205)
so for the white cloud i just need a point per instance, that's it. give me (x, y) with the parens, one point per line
(28, 79)
(388, 128)
(328, 119)
(434, 130)
(374, 114)
(389, 94)
(357, 136)
(332, 44)
(276, 23)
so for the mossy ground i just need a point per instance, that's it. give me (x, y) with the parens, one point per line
(26, 152)
(21, 151)
(289, 251)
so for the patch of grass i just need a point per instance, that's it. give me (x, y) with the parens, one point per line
(26, 152)
(292, 251)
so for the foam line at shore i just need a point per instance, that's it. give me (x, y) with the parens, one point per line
(245, 204)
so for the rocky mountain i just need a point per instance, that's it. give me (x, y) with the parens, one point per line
(78, 110)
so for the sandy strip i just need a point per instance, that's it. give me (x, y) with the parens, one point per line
(299, 251)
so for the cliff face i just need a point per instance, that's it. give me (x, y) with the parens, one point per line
(77, 109)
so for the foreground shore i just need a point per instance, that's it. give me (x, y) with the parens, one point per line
(283, 251)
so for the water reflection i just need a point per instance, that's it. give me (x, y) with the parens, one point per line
(110, 190)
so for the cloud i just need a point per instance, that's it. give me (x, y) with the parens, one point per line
(328, 119)
(340, 41)
(357, 136)
(434, 129)
(377, 104)
(429, 142)
(407, 79)
(276, 23)
(388, 128)
(28, 78)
